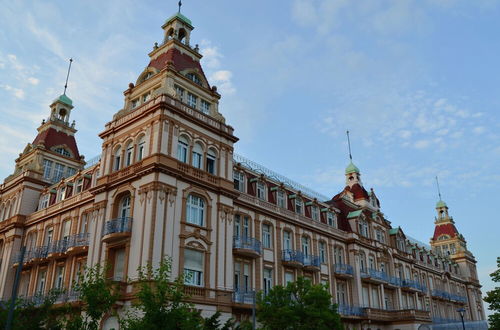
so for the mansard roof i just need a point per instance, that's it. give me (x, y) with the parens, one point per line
(180, 61)
(52, 137)
(445, 229)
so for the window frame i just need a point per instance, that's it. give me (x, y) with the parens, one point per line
(195, 210)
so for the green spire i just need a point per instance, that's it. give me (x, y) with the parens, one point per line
(440, 203)
(351, 168)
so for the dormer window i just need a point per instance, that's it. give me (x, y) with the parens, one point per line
(261, 190)
(79, 185)
(194, 78)
(363, 228)
(44, 202)
(314, 212)
(299, 205)
(280, 198)
(331, 219)
(62, 151)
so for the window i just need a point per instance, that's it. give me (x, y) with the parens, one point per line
(371, 262)
(239, 181)
(287, 240)
(140, 148)
(331, 218)
(182, 149)
(119, 265)
(62, 151)
(341, 293)
(241, 227)
(135, 103)
(288, 277)
(298, 205)
(205, 107)
(180, 92)
(195, 208)
(61, 193)
(194, 78)
(71, 171)
(322, 252)
(59, 278)
(192, 100)
(338, 255)
(58, 172)
(44, 202)
(363, 228)
(268, 280)
(41, 281)
(380, 235)
(211, 161)
(48, 236)
(242, 280)
(66, 227)
(266, 236)
(280, 198)
(47, 168)
(305, 246)
(261, 190)
(118, 158)
(314, 212)
(146, 97)
(79, 185)
(193, 267)
(196, 159)
(362, 262)
(128, 154)
(83, 223)
(124, 211)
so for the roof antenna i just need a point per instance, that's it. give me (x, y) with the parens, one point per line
(180, 4)
(349, 144)
(439, 190)
(67, 76)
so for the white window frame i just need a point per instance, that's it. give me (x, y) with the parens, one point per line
(267, 279)
(193, 275)
(281, 198)
(267, 236)
(182, 149)
(240, 177)
(197, 156)
(322, 252)
(192, 100)
(261, 190)
(314, 212)
(299, 205)
(205, 107)
(195, 210)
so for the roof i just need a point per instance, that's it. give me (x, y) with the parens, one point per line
(358, 191)
(445, 229)
(440, 203)
(180, 17)
(64, 99)
(51, 137)
(180, 61)
(351, 168)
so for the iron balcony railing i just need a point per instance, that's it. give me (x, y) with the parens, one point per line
(293, 256)
(458, 297)
(59, 246)
(440, 293)
(411, 284)
(311, 260)
(78, 240)
(244, 297)
(249, 243)
(351, 310)
(41, 252)
(375, 274)
(394, 280)
(119, 225)
(61, 297)
(343, 269)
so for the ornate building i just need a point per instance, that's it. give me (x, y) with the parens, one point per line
(167, 183)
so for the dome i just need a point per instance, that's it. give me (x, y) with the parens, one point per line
(181, 18)
(64, 99)
(351, 168)
(441, 204)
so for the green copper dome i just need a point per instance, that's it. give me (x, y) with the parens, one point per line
(64, 99)
(440, 204)
(180, 17)
(351, 168)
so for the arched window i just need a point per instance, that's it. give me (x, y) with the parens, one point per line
(195, 210)
(338, 254)
(182, 149)
(197, 156)
(287, 240)
(182, 34)
(124, 207)
(141, 147)
(117, 159)
(129, 151)
(211, 156)
(305, 246)
(362, 262)
(267, 236)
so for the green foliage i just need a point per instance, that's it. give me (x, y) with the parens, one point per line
(299, 305)
(493, 298)
(161, 304)
(34, 314)
(97, 294)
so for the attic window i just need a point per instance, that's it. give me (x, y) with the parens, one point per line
(148, 75)
(194, 78)
(63, 152)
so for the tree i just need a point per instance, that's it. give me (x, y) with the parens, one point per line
(161, 303)
(493, 298)
(97, 295)
(299, 305)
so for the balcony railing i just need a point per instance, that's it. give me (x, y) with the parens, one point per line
(440, 294)
(351, 310)
(241, 297)
(344, 269)
(78, 240)
(375, 274)
(293, 256)
(247, 243)
(412, 284)
(58, 246)
(311, 261)
(396, 281)
(119, 225)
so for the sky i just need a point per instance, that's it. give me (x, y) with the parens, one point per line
(416, 82)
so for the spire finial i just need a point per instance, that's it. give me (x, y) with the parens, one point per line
(180, 5)
(439, 190)
(67, 76)
(349, 145)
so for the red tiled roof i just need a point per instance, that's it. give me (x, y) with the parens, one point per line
(52, 137)
(181, 61)
(445, 229)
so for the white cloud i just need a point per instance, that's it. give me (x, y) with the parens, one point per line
(17, 92)
(211, 55)
(33, 80)
(422, 144)
(223, 79)
(479, 130)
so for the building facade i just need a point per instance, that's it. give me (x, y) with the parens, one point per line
(168, 183)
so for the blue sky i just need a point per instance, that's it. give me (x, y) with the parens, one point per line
(415, 81)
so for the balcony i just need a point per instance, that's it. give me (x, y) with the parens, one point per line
(117, 229)
(375, 276)
(440, 294)
(58, 248)
(393, 281)
(411, 285)
(40, 253)
(343, 270)
(403, 315)
(293, 258)
(78, 243)
(246, 298)
(247, 246)
(347, 310)
(312, 263)
(458, 298)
